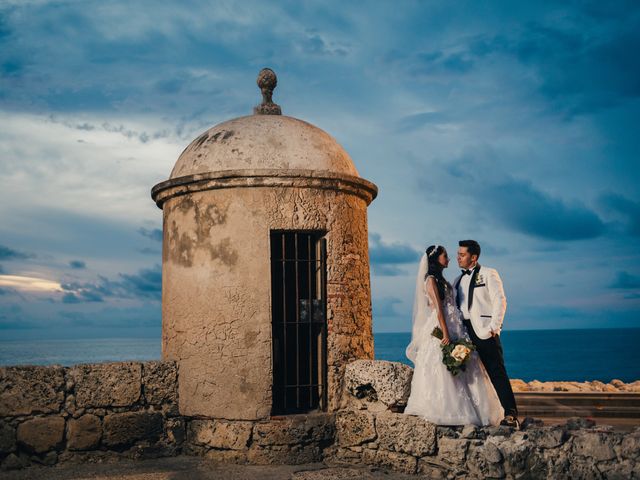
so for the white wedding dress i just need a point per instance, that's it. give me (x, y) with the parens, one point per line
(436, 395)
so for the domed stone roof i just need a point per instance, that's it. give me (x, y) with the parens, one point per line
(274, 142)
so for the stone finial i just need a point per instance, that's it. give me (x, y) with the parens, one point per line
(267, 82)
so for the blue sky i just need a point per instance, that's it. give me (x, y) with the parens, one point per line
(514, 123)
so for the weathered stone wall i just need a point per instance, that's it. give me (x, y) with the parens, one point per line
(294, 439)
(93, 412)
(368, 432)
(408, 444)
(98, 411)
(51, 414)
(217, 291)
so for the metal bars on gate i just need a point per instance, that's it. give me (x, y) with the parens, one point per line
(299, 321)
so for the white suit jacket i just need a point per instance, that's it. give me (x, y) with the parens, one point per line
(486, 301)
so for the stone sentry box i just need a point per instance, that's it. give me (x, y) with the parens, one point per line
(265, 270)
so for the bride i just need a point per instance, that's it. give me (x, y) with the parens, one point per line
(436, 395)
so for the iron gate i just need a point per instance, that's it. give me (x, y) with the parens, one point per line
(299, 321)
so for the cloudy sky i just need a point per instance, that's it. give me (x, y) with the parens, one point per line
(509, 122)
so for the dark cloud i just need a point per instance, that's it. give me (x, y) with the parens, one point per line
(78, 292)
(579, 69)
(625, 208)
(153, 234)
(625, 280)
(514, 203)
(77, 264)
(7, 253)
(519, 205)
(146, 284)
(385, 257)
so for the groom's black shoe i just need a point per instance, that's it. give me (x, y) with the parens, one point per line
(511, 421)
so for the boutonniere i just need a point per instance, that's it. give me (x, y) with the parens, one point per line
(479, 279)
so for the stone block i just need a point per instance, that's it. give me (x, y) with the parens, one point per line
(519, 454)
(122, 429)
(577, 423)
(84, 433)
(7, 438)
(160, 382)
(597, 446)
(41, 434)
(492, 453)
(221, 434)
(377, 384)
(28, 390)
(107, 384)
(398, 462)
(548, 437)
(295, 429)
(406, 434)
(452, 450)
(354, 428)
(480, 462)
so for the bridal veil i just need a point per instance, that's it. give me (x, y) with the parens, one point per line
(421, 311)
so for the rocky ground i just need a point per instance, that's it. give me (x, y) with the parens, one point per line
(615, 386)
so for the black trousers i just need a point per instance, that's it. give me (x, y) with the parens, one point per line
(490, 352)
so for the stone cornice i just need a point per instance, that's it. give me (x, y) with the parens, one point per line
(298, 178)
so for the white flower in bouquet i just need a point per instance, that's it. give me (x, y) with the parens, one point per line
(460, 353)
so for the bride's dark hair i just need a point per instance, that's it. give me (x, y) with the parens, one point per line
(435, 269)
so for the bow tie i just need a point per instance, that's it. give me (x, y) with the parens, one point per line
(466, 272)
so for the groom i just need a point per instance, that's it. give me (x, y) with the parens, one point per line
(481, 299)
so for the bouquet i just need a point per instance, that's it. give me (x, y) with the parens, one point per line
(455, 354)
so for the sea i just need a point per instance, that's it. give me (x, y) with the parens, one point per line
(544, 355)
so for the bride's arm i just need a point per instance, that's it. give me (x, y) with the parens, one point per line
(432, 292)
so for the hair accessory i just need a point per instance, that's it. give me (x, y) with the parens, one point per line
(434, 250)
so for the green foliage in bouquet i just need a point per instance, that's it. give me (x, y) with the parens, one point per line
(456, 354)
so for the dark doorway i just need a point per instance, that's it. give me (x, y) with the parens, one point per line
(299, 321)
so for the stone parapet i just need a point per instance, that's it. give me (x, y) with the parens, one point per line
(51, 414)
(407, 444)
(370, 432)
(106, 411)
